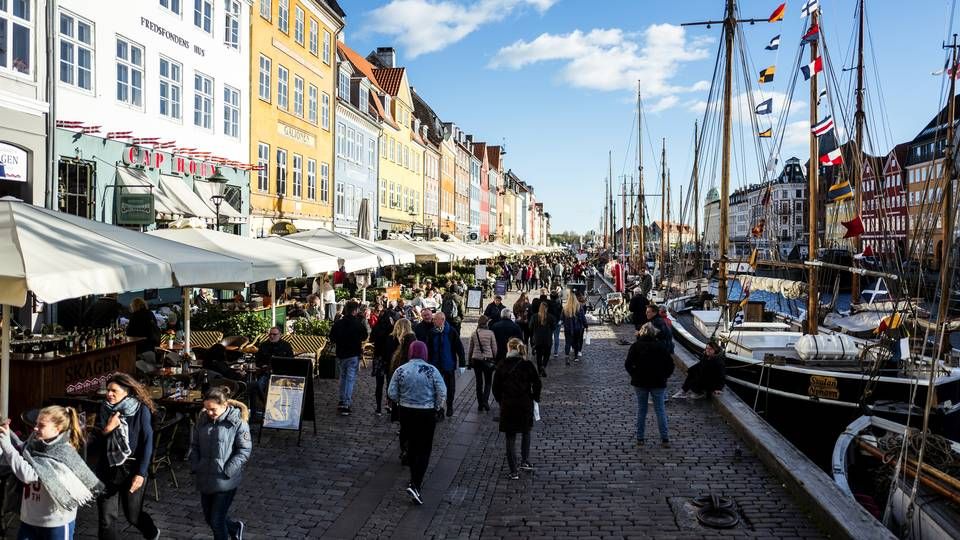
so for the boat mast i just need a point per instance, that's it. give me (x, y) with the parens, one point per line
(729, 28)
(623, 228)
(813, 299)
(859, 119)
(663, 210)
(947, 209)
(641, 202)
(696, 201)
(613, 214)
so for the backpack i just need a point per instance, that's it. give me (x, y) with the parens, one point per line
(449, 308)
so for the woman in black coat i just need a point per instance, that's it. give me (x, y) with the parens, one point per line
(650, 365)
(541, 331)
(516, 386)
(384, 344)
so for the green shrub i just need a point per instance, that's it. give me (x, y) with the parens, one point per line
(231, 323)
(312, 326)
(342, 293)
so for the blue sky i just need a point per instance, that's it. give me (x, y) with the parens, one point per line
(556, 79)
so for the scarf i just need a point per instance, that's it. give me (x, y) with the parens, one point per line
(118, 440)
(62, 471)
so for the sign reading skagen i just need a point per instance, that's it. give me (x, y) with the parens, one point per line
(298, 135)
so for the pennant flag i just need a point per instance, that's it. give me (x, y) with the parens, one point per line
(854, 227)
(774, 43)
(823, 126)
(890, 322)
(809, 7)
(765, 134)
(834, 157)
(840, 191)
(767, 195)
(753, 259)
(821, 95)
(777, 14)
(767, 74)
(812, 34)
(866, 254)
(812, 68)
(757, 231)
(746, 296)
(765, 107)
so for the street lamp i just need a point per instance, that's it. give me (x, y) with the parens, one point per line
(218, 184)
(413, 219)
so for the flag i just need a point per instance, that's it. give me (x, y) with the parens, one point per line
(765, 134)
(767, 74)
(774, 43)
(809, 7)
(890, 322)
(834, 157)
(753, 259)
(765, 107)
(746, 296)
(854, 227)
(777, 14)
(840, 191)
(767, 195)
(823, 126)
(866, 254)
(812, 34)
(812, 68)
(821, 95)
(757, 231)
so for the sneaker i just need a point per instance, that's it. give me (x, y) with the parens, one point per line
(345, 411)
(414, 494)
(681, 394)
(526, 466)
(555, 355)
(514, 476)
(239, 534)
(157, 536)
(696, 395)
(579, 355)
(665, 443)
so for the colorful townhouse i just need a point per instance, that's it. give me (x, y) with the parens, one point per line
(495, 193)
(293, 86)
(448, 182)
(483, 200)
(431, 133)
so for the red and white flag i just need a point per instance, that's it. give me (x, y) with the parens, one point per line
(822, 126)
(812, 68)
(834, 157)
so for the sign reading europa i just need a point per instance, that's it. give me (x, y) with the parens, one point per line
(136, 155)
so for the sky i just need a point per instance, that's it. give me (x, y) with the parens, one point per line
(556, 82)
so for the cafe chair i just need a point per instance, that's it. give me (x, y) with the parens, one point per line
(307, 346)
(164, 434)
(234, 342)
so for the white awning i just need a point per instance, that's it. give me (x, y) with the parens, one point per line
(228, 213)
(164, 209)
(422, 251)
(351, 260)
(326, 237)
(186, 201)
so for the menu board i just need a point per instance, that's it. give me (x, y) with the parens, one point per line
(474, 298)
(284, 406)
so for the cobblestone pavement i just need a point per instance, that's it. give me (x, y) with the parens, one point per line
(591, 481)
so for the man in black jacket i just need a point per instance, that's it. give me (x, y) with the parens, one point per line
(494, 308)
(638, 308)
(503, 330)
(422, 329)
(348, 334)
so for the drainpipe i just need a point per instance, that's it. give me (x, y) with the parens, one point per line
(50, 183)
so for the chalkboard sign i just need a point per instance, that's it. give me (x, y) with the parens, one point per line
(480, 272)
(500, 287)
(474, 298)
(284, 407)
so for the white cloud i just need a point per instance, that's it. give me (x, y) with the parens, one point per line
(425, 26)
(612, 59)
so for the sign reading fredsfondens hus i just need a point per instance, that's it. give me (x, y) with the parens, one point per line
(154, 27)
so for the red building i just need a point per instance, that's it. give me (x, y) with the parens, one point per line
(886, 219)
(480, 151)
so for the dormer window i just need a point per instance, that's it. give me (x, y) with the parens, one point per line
(344, 86)
(364, 103)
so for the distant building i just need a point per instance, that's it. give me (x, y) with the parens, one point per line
(886, 219)
(711, 223)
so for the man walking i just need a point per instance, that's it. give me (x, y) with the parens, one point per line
(348, 334)
(446, 354)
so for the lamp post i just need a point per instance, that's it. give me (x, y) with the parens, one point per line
(218, 183)
(413, 219)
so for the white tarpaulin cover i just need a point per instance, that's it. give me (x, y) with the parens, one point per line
(790, 289)
(352, 260)
(421, 250)
(270, 261)
(388, 256)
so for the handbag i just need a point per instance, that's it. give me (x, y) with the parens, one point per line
(488, 362)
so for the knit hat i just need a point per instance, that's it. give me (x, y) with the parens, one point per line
(418, 350)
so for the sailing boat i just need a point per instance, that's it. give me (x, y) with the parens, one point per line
(798, 376)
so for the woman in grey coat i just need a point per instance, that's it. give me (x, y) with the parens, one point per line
(220, 445)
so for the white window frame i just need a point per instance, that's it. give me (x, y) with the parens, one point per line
(298, 25)
(266, 9)
(281, 183)
(203, 101)
(283, 16)
(203, 15)
(263, 166)
(324, 182)
(131, 68)
(231, 112)
(172, 86)
(266, 65)
(325, 111)
(343, 85)
(338, 199)
(173, 6)
(326, 47)
(312, 97)
(283, 87)
(298, 96)
(75, 45)
(371, 153)
(363, 99)
(297, 175)
(231, 24)
(312, 179)
(314, 37)
(341, 139)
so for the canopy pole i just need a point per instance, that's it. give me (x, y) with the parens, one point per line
(5, 364)
(272, 289)
(186, 319)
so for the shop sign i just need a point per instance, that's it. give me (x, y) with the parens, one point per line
(298, 135)
(154, 27)
(283, 228)
(133, 208)
(138, 156)
(823, 387)
(13, 163)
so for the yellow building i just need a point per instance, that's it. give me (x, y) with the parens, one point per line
(401, 153)
(293, 84)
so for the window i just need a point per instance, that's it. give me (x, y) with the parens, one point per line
(263, 167)
(298, 96)
(393, 149)
(231, 111)
(325, 111)
(371, 153)
(129, 73)
(282, 87)
(171, 88)
(266, 9)
(202, 101)
(383, 192)
(312, 179)
(76, 51)
(338, 202)
(203, 15)
(281, 171)
(283, 16)
(350, 142)
(297, 175)
(298, 26)
(76, 187)
(231, 24)
(172, 5)
(343, 89)
(324, 182)
(364, 102)
(326, 47)
(341, 139)
(312, 104)
(314, 37)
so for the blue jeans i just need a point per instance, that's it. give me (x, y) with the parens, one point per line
(348, 377)
(215, 509)
(659, 409)
(556, 339)
(32, 532)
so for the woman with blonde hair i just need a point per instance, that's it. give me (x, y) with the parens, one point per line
(516, 386)
(574, 320)
(56, 479)
(404, 336)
